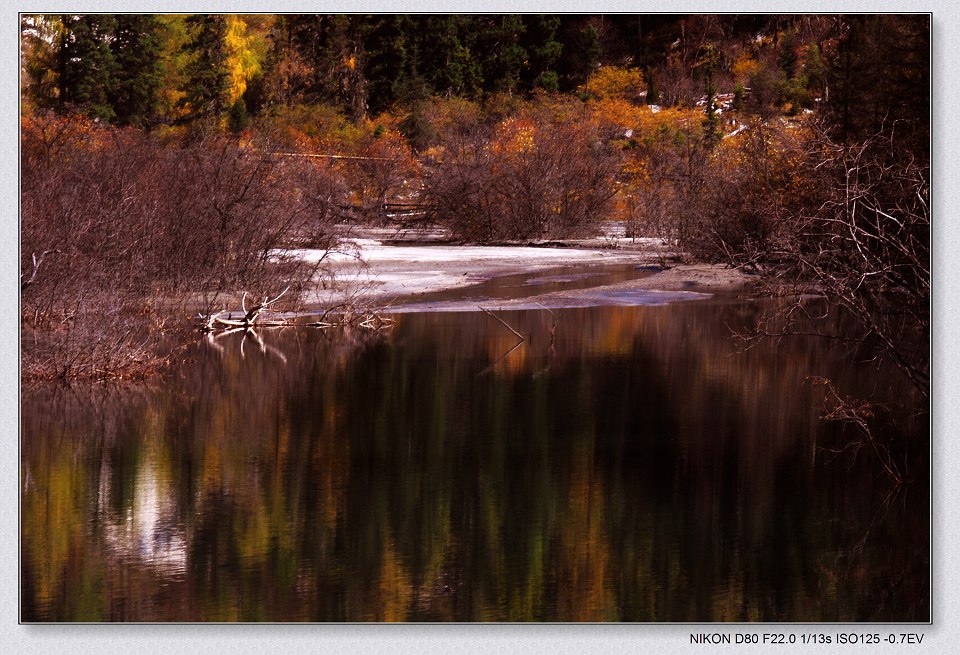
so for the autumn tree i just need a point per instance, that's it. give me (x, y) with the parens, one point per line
(614, 82)
(41, 37)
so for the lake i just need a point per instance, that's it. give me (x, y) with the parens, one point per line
(623, 463)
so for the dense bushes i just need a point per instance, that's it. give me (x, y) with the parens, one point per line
(118, 224)
(367, 164)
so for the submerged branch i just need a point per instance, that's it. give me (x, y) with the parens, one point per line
(503, 323)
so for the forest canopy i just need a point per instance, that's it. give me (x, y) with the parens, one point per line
(149, 70)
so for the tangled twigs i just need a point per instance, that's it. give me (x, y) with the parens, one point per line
(857, 412)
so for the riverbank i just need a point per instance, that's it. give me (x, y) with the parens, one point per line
(374, 273)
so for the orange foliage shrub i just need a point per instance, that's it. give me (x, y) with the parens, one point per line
(372, 160)
(745, 67)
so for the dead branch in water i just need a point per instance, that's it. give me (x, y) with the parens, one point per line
(553, 327)
(503, 323)
(250, 316)
(857, 413)
(222, 322)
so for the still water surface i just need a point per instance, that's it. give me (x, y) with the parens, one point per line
(622, 464)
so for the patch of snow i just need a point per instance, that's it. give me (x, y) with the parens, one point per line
(389, 271)
(374, 252)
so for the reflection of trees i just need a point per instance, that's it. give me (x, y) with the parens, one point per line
(659, 478)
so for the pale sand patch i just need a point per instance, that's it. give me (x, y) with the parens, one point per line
(375, 272)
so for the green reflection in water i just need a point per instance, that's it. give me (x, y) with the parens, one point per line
(633, 466)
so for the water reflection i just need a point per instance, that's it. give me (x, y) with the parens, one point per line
(146, 531)
(621, 464)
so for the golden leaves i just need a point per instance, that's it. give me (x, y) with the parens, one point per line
(614, 82)
(242, 60)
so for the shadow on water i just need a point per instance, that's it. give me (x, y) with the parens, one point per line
(621, 464)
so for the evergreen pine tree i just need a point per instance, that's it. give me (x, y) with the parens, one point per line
(711, 122)
(238, 120)
(881, 74)
(581, 51)
(137, 52)
(502, 54)
(87, 64)
(40, 41)
(543, 52)
(447, 58)
(390, 58)
(207, 84)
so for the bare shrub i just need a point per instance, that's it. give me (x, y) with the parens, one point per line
(382, 169)
(664, 181)
(529, 177)
(460, 188)
(677, 87)
(852, 223)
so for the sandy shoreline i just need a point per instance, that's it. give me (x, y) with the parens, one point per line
(370, 270)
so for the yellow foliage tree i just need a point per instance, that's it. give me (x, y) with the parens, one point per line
(617, 112)
(614, 82)
(745, 67)
(242, 60)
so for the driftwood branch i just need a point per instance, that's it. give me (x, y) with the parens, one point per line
(223, 322)
(502, 322)
(251, 316)
(36, 267)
